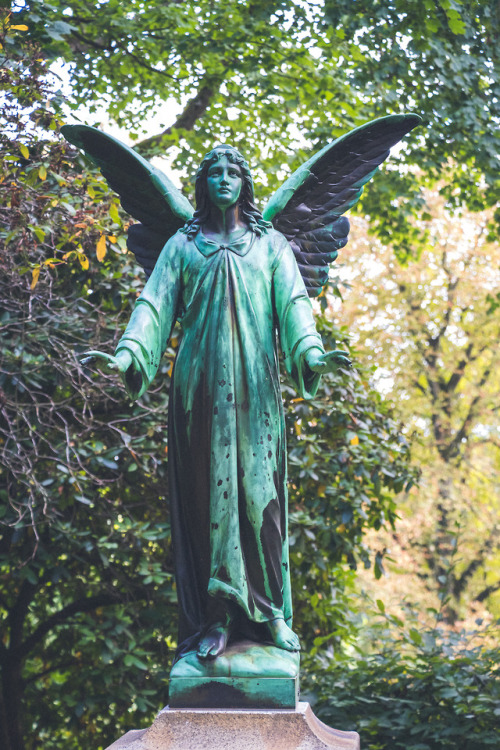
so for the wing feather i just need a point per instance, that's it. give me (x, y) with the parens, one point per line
(308, 208)
(145, 192)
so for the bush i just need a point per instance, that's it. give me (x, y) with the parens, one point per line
(425, 689)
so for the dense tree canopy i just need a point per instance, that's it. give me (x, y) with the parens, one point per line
(258, 73)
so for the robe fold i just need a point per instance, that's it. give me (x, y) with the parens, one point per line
(226, 433)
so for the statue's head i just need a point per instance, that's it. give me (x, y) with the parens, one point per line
(248, 211)
(234, 157)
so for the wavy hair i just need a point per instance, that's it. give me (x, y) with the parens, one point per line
(249, 212)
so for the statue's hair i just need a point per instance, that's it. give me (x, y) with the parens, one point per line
(249, 212)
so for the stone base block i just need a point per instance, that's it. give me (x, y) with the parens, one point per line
(232, 729)
(246, 675)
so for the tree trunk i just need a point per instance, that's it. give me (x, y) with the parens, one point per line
(11, 737)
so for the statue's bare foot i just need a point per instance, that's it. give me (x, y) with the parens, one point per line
(283, 636)
(214, 642)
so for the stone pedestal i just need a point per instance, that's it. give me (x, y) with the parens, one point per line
(246, 675)
(233, 729)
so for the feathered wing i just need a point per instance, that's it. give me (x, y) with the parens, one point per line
(308, 208)
(145, 192)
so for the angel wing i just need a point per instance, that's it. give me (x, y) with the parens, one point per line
(145, 192)
(308, 207)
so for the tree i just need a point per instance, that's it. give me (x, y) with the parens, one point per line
(432, 327)
(87, 597)
(257, 73)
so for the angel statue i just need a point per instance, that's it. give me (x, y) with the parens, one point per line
(239, 282)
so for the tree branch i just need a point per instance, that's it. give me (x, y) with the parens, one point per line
(87, 604)
(463, 432)
(459, 372)
(459, 584)
(18, 612)
(194, 109)
(487, 592)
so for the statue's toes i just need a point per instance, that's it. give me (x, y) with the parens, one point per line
(290, 644)
(283, 636)
(207, 649)
(294, 643)
(213, 644)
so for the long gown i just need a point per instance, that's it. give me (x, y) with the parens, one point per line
(226, 434)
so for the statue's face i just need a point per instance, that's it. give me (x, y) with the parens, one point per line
(224, 181)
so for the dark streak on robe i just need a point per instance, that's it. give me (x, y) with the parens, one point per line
(226, 435)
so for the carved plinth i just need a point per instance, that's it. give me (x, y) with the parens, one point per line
(232, 729)
(246, 675)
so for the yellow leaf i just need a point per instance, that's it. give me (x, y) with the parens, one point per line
(112, 238)
(84, 261)
(34, 278)
(24, 151)
(355, 440)
(113, 212)
(42, 173)
(101, 248)
(20, 27)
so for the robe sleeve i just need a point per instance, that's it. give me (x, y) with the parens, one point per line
(297, 329)
(152, 320)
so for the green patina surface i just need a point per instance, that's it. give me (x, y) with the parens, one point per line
(247, 675)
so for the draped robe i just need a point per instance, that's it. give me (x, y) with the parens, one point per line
(226, 434)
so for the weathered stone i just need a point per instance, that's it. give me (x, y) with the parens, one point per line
(233, 729)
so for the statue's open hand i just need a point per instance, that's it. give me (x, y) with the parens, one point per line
(327, 361)
(121, 361)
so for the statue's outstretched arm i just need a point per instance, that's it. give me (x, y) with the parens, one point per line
(322, 362)
(121, 361)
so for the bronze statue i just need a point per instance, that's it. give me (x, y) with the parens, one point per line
(239, 282)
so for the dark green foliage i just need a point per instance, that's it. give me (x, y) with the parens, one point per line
(425, 689)
(244, 71)
(84, 551)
